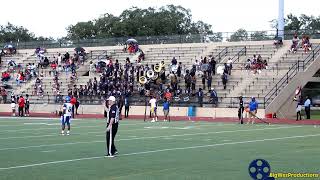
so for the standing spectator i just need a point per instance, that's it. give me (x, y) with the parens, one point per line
(77, 106)
(13, 104)
(204, 81)
(200, 97)
(299, 107)
(229, 65)
(179, 70)
(27, 106)
(209, 82)
(253, 108)
(240, 110)
(21, 104)
(126, 106)
(224, 80)
(214, 97)
(166, 106)
(4, 95)
(307, 105)
(213, 65)
(73, 101)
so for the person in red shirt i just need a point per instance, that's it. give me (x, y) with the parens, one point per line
(21, 104)
(73, 101)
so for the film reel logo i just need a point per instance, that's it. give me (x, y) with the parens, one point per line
(260, 169)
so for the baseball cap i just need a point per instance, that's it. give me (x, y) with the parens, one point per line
(111, 98)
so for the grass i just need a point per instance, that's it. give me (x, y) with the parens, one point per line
(33, 149)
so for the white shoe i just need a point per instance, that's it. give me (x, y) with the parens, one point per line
(165, 120)
(153, 120)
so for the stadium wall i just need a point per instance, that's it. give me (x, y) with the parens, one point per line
(136, 110)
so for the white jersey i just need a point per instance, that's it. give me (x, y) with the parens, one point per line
(67, 107)
(153, 102)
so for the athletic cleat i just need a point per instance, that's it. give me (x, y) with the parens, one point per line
(153, 120)
(109, 156)
(116, 153)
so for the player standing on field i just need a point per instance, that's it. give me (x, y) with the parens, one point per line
(153, 108)
(66, 115)
(241, 109)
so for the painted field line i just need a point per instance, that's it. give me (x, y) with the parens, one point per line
(97, 132)
(138, 138)
(32, 129)
(163, 150)
(22, 130)
(48, 151)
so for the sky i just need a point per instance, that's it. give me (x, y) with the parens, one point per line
(51, 17)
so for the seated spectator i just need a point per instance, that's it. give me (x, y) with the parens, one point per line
(295, 44)
(306, 45)
(5, 77)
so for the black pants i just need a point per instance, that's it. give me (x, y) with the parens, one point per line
(126, 111)
(110, 135)
(20, 109)
(240, 114)
(307, 109)
(73, 111)
(298, 115)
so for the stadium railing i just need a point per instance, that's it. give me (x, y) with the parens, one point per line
(166, 39)
(291, 73)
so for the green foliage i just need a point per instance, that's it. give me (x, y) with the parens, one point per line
(12, 33)
(260, 35)
(239, 35)
(167, 20)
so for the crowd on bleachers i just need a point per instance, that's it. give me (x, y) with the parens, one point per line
(256, 64)
(119, 80)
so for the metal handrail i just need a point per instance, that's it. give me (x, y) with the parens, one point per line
(223, 52)
(293, 71)
(237, 56)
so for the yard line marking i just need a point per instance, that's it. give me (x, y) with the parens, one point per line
(102, 125)
(138, 138)
(99, 133)
(48, 151)
(162, 150)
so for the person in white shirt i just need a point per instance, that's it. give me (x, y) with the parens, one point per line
(153, 109)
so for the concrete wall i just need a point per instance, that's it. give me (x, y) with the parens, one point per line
(137, 110)
(283, 104)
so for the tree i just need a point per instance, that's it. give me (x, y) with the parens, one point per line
(12, 33)
(167, 20)
(239, 35)
(259, 36)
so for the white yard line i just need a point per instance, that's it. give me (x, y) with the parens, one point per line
(162, 150)
(48, 151)
(154, 137)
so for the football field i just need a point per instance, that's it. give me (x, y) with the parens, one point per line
(33, 149)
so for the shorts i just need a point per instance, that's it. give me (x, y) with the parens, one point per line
(65, 120)
(166, 112)
(252, 114)
(13, 106)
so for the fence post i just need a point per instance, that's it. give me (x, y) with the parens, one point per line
(287, 78)
(245, 50)
(264, 102)
(277, 89)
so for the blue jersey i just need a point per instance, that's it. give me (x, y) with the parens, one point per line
(253, 105)
(166, 105)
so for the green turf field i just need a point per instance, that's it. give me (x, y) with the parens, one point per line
(33, 149)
